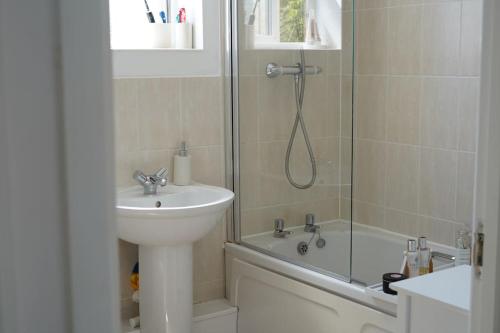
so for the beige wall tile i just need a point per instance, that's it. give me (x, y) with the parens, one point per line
(208, 256)
(152, 160)
(395, 3)
(439, 112)
(468, 114)
(404, 43)
(371, 41)
(334, 62)
(431, 45)
(345, 209)
(366, 213)
(207, 165)
(209, 290)
(401, 178)
(470, 43)
(248, 108)
(317, 113)
(346, 148)
(370, 107)
(369, 168)
(314, 58)
(202, 108)
(323, 210)
(347, 5)
(126, 163)
(401, 222)
(438, 183)
(440, 38)
(326, 154)
(275, 113)
(437, 230)
(160, 122)
(346, 106)
(347, 51)
(403, 110)
(126, 115)
(249, 174)
(465, 187)
(368, 4)
(333, 100)
(273, 188)
(249, 62)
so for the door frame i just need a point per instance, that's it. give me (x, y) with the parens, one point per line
(485, 298)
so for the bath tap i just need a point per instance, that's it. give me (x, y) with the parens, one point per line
(279, 225)
(150, 182)
(310, 226)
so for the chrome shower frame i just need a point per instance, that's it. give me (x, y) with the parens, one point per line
(232, 137)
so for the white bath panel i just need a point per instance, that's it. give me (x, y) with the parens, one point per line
(269, 302)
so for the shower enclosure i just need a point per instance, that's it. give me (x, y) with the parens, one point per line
(353, 129)
(292, 74)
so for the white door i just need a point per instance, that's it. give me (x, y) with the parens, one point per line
(485, 305)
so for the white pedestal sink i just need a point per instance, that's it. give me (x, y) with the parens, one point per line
(165, 226)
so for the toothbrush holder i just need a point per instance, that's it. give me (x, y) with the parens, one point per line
(183, 35)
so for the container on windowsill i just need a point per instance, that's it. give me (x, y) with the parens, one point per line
(143, 36)
(183, 35)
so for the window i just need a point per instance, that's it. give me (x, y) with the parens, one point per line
(292, 18)
(282, 23)
(279, 21)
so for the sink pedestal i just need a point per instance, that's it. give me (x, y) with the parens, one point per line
(166, 285)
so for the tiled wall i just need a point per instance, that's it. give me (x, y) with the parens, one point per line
(152, 117)
(416, 102)
(267, 113)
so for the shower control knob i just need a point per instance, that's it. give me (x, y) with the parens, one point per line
(279, 225)
(310, 219)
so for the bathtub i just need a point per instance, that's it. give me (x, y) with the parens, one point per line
(316, 283)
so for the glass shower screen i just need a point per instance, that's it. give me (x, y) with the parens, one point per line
(292, 66)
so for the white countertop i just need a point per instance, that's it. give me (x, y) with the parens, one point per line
(451, 287)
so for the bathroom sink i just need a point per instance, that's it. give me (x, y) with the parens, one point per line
(176, 215)
(165, 225)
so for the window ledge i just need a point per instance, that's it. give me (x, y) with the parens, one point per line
(290, 46)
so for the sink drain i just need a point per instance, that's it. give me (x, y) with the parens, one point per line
(158, 204)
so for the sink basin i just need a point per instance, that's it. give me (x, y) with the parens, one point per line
(165, 225)
(176, 215)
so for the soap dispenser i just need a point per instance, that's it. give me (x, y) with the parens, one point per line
(182, 166)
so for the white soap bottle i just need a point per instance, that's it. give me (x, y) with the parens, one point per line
(182, 166)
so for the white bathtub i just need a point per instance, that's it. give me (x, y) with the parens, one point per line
(313, 284)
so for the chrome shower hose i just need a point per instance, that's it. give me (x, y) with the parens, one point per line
(300, 85)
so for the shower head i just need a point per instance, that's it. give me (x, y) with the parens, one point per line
(273, 70)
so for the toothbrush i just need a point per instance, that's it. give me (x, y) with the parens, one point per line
(150, 16)
(181, 17)
(163, 16)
